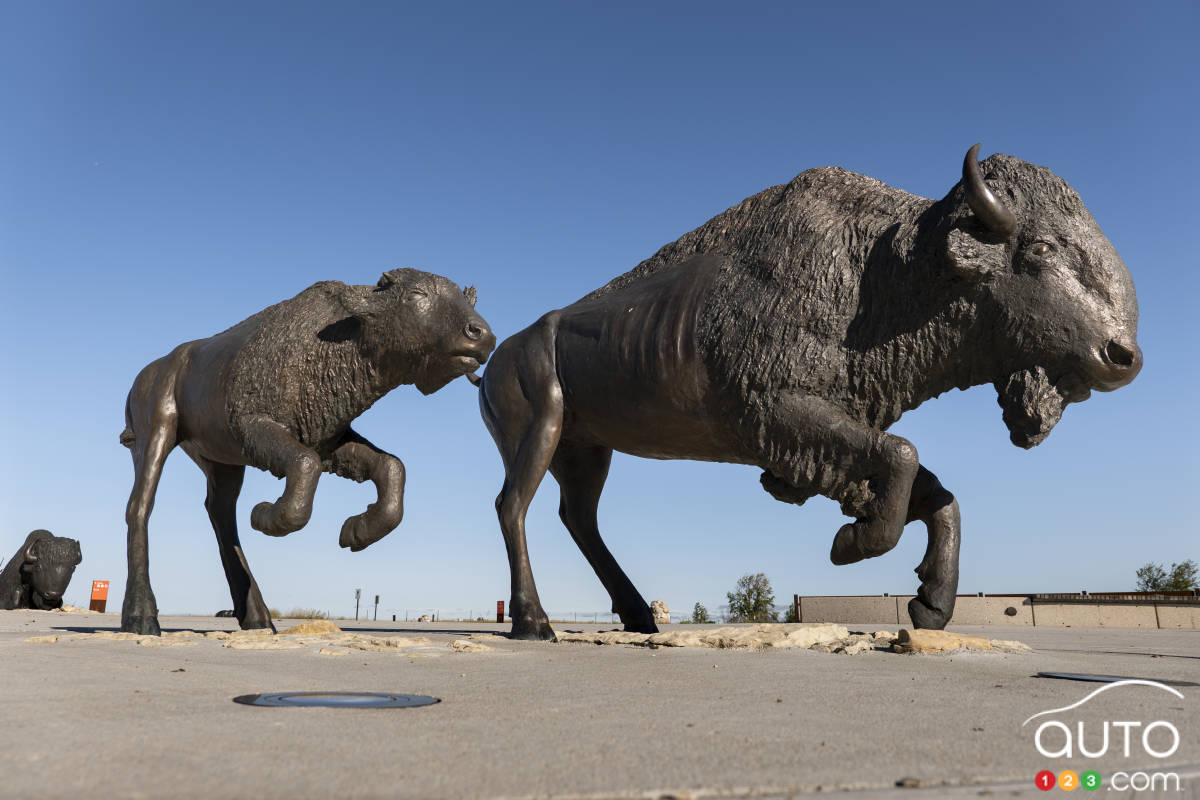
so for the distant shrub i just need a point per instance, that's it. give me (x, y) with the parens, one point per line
(752, 600)
(1153, 578)
(300, 613)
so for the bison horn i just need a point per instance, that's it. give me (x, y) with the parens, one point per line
(31, 553)
(471, 294)
(987, 207)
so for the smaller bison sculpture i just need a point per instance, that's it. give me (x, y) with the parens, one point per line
(789, 332)
(38, 575)
(278, 391)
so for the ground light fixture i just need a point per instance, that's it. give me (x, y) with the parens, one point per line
(336, 700)
(1078, 676)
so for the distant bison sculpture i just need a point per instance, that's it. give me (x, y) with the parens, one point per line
(278, 392)
(789, 332)
(38, 575)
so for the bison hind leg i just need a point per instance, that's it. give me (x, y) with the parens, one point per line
(224, 486)
(581, 472)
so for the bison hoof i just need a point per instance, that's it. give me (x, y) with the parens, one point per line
(146, 626)
(925, 616)
(359, 532)
(257, 624)
(845, 547)
(530, 630)
(863, 539)
(264, 518)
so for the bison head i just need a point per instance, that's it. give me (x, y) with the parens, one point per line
(48, 563)
(1059, 297)
(424, 327)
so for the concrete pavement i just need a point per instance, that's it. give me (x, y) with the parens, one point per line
(530, 719)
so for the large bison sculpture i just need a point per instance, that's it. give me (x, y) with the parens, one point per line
(38, 575)
(278, 391)
(789, 332)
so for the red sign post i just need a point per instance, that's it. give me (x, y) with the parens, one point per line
(99, 596)
(500, 611)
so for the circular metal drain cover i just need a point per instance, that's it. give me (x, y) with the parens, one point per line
(336, 700)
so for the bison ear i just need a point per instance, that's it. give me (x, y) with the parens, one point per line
(472, 295)
(360, 301)
(972, 259)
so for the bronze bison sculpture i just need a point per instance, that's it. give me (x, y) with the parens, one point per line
(39, 573)
(278, 391)
(790, 332)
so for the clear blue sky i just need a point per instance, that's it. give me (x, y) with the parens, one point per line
(167, 169)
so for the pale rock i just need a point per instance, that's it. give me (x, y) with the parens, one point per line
(313, 627)
(118, 635)
(43, 639)
(467, 646)
(424, 618)
(162, 641)
(929, 641)
(184, 634)
(325, 651)
(853, 648)
(753, 636)
(602, 637)
(379, 644)
(261, 643)
(660, 612)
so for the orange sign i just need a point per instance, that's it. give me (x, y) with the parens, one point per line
(99, 590)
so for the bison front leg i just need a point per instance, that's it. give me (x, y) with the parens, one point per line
(938, 571)
(359, 460)
(271, 446)
(806, 441)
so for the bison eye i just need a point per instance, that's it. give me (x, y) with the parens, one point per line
(1040, 248)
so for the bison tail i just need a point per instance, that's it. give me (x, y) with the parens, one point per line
(128, 437)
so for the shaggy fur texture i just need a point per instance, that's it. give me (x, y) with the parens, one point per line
(837, 285)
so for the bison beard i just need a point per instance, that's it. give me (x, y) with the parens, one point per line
(1033, 403)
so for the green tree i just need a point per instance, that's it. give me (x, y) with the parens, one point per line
(1153, 578)
(752, 600)
(700, 614)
